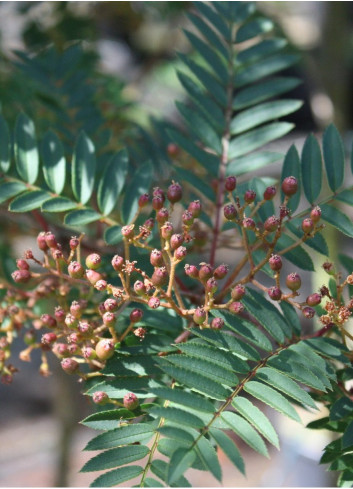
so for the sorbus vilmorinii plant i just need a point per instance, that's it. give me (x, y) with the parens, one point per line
(174, 343)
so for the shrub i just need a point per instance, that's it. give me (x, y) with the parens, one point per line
(175, 347)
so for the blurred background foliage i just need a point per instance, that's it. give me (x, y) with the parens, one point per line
(110, 68)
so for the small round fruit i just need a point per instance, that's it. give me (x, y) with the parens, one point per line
(105, 349)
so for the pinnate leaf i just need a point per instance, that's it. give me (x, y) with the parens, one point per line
(115, 457)
(333, 151)
(26, 151)
(117, 476)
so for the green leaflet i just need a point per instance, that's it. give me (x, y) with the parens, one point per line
(83, 168)
(229, 448)
(209, 34)
(117, 476)
(222, 358)
(81, 217)
(160, 469)
(342, 408)
(285, 384)
(195, 381)
(245, 329)
(317, 243)
(200, 127)
(178, 416)
(28, 201)
(150, 482)
(257, 418)
(189, 399)
(261, 49)
(177, 434)
(337, 218)
(205, 367)
(263, 91)
(134, 366)
(333, 151)
(345, 196)
(139, 184)
(347, 438)
(5, 146)
(210, 56)
(245, 431)
(124, 435)
(208, 161)
(271, 397)
(263, 68)
(115, 457)
(291, 167)
(250, 118)
(228, 342)
(112, 235)
(25, 147)
(256, 138)
(107, 420)
(291, 317)
(328, 348)
(10, 189)
(239, 166)
(214, 19)
(311, 166)
(58, 204)
(180, 461)
(196, 182)
(253, 28)
(54, 163)
(208, 457)
(112, 182)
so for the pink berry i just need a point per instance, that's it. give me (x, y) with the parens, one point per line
(269, 193)
(75, 269)
(69, 365)
(230, 212)
(217, 323)
(154, 303)
(21, 276)
(41, 242)
(290, 186)
(293, 281)
(238, 292)
(249, 196)
(100, 398)
(271, 224)
(221, 271)
(149, 223)
(143, 200)
(167, 230)
(274, 293)
(101, 285)
(162, 215)
(174, 193)
(308, 312)
(105, 349)
(48, 338)
(157, 203)
(130, 401)
(50, 240)
(307, 225)
(84, 328)
(199, 315)
(248, 223)
(109, 318)
(315, 214)
(236, 307)
(173, 150)
(205, 272)
(76, 309)
(158, 192)
(180, 253)
(187, 218)
(128, 231)
(159, 276)
(118, 263)
(89, 353)
(230, 184)
(195, 208)
(313, 299)
(275, 262)
(74, 242)
(48, 320)
(93, 276)
(136, 315)
(59, 314)
(211, 285)
(139, 288)
(156, 258)
(111, 305)
(176, 240)
(22, 264)
(191, 271)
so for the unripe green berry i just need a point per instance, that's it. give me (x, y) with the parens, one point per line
(75, 269)
(93, 261)
(199, 315)
(105, 349)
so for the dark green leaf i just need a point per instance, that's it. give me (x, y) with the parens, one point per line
(115, 457)
(311, 168)
(139, 184)
(257, 418)
(150, 482)
(298, 256)
(10, 189)
(180, 461)
(229, 448)
(107, 420)
(317, 243)
(208, 161)
(285, 384)
(54, 163)
(345, 196)
(337, 219)
(341, 408)
(58, 204)
(177, 416)
(81, 217)
(291, 317)
(250, 118)
(271, 397)
(332, 147)
(112, 235)
(264, 67)
(263, 91)
(209, 34)
(112, 182)
(124, 435)
(239, 166)
(5, 146)
(291, 167)
(261, 49)
(347, 439)
(253, 28)
(256, 138)
(245, 431)
(189, 399)
(192, 179)
(26, 151)
(160, 469)
(117, 476)
(29, 201)
(133, 366)
(214, 19)
(208, 457)
(328, 348)
(177, 434)
(83, 168)
(116, 389)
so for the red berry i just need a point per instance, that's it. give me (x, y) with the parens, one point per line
(290, 186)
(293, 281)
(74, 242)
(176, 240)
(156, 258)
(118, 263)
(275, 262)
(159, 276)
(105, 349)
(249, 223)
(315, 214)
(230, 212)
(180, 253)
(236, 307)
(100, 398)
(69, 365)
(238, 292)
(191, 271)
(75, 269)
(157, 202)
(217, 323)
(284, 211)
(271, 224)
(173, 149)
(221, 271)
(274, 293)
(269, 193)
(195, 208)
(249, 196)
(149, 223)
(313, 299)
(143, 200)
(308, 312)
(22, 264)
(307, 225)
(154, 303)
(174, 193)
(205, 272)
(21, 276)
(230, 184)
(130, 401)
(136, 315)
(93, 261)
(162, 215)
